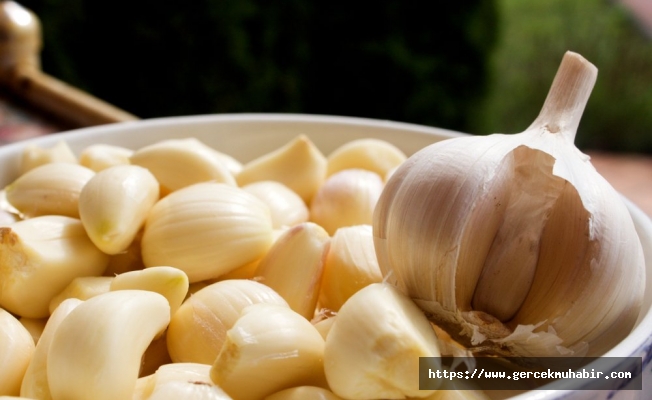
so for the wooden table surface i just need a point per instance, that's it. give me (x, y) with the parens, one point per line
(630, 174)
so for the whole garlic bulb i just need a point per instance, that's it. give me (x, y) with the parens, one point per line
(514, 243)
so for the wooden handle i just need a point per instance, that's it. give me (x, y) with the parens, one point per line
(20, 44)
(62, 100)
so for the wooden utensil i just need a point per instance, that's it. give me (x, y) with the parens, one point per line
(20, 71)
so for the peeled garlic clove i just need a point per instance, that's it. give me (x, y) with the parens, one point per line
(128, 260)
(16, 349)
(198, 329)
(286, 206)
(293, 266)
(188, 381)
(82, 288)
(207, 230)
(35, 381)
(298, 165)
(114, 204)
(372, 350)
(508, 241)
(268, 340)
(101, 156)
(46, 253)
(304, 392)
(177, 163)
(232, 165)
(34, 156)
(370, 154)
(50, 189)
(105, 337)
(346, 198)
(170, 282)
(351, 264)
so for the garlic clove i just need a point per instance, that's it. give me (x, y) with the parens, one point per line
(170, 282)
(17, 348)
(370, 154)
(304, 392)
(188, 381)
(50, 189)
(287, 208)
(197, 330)
(47, 253)
(34, 156)
(294, 264)
(114, 204)
(82, 288)
(346, 198)
(100, 156)
(507, 240)
(351, 264)
(299, 165)
(178, 163)
(372, 350)
(207, 230)
(106, 337)
(35, 381)
(268, 341)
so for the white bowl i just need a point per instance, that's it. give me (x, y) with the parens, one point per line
(246, 136)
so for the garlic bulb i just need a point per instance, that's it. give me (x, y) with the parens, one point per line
(514, 243)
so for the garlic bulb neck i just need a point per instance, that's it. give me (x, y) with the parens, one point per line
(567, 97)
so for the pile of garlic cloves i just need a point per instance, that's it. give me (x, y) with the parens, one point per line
(514, 243)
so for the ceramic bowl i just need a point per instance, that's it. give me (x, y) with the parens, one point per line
(246, 136)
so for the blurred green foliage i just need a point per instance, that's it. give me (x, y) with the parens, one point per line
(533, 37)
(421, 62)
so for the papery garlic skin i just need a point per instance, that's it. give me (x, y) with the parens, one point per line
(50, 189)
(114, 204)
(372, 350)
(46, 253)
(508, 241)
(346, 198)
(16, 349)
(177, 163)
(206, 230)
(371, 154)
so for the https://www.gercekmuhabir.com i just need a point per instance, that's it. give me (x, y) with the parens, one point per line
(550, 373)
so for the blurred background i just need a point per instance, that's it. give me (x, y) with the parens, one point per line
(477, 66)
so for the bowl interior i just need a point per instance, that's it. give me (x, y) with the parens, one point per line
(247, 136)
